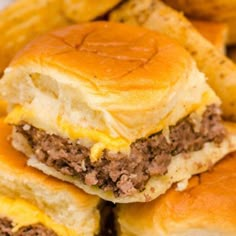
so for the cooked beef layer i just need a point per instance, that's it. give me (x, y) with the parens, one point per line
(121, 173)
(6, 226)
(34, 230)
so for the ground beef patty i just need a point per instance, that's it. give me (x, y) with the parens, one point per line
(34, 230)
(122, 174)
(6, 227)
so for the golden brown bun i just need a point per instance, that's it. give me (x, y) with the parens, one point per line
(215, 10)
(215, 32)
(117, 76)
(62, 202)
(207, 207)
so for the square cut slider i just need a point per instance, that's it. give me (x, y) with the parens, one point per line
(119, 111)
(33, 203)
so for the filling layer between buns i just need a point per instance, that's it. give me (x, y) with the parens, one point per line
(118, 172)
(6, 229)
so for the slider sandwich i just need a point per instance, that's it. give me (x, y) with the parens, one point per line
(32, 203)
(119, 111)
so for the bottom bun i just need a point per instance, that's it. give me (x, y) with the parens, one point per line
(28, 197)
(207, 207)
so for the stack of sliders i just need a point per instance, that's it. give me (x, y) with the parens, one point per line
(118, 111)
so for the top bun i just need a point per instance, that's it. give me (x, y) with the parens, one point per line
(124, 82)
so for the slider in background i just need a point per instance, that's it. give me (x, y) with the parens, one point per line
(34, 201)
(215, 10)
(206, 207)
(87, 10)
(23, 20)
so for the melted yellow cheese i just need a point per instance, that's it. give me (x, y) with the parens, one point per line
(18, 114)
(100, 139)
(75, 132)
(199, 108)
(23, 213)
(96, 151)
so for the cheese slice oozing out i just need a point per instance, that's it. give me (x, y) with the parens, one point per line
(23, 213)
(100, 140)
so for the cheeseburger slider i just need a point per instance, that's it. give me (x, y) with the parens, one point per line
(207, 207)
(32, 203)
(119, 111)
